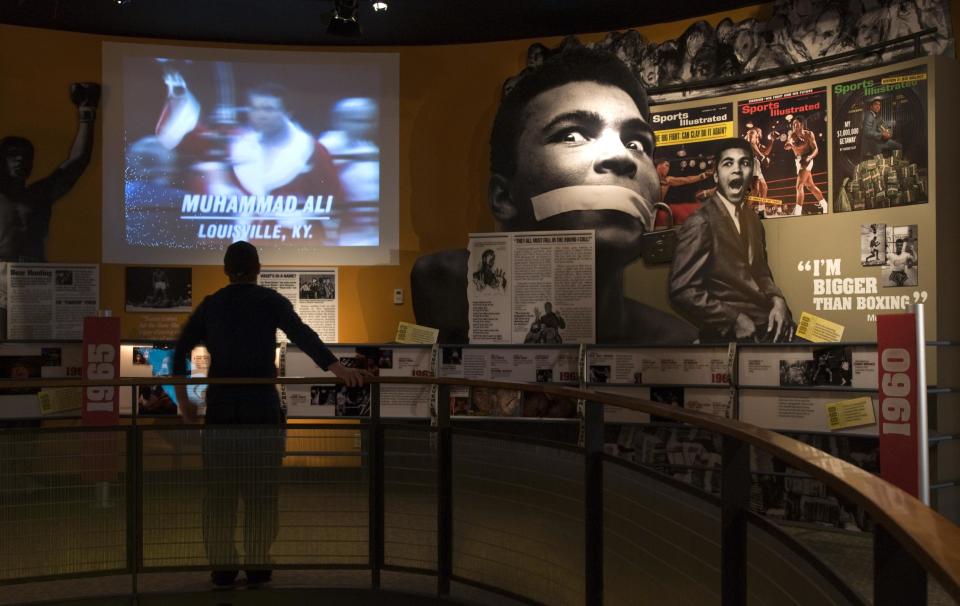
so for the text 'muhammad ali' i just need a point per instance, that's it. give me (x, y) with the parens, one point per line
(256, 217)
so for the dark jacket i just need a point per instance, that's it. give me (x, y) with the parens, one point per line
(238, 324)
(717, 273)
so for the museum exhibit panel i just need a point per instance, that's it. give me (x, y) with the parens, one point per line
(653, 315)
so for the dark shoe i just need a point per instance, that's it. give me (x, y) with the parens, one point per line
(223, 578)
(258, 577)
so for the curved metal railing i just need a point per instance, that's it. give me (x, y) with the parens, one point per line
(474, 506)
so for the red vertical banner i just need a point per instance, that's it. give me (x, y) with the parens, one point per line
(899, 414)
(101, 360)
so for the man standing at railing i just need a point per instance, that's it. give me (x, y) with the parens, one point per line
(238, 325)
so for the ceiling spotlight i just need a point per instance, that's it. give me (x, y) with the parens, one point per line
(343, 21)
(380, 6)
(123, 2)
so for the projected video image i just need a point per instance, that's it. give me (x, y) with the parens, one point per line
(281, 155)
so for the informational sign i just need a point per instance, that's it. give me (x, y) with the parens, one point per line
(816, 367)
(329, 400)
(899, 429)
(711, 401)
(798, 411)
(532, 287)
(47, 301)
(101, 361)
(820, 366)
(415, 334)
(313, 293)
(521, 364)
(59, 400)
(850, 413)
(554, 365)
(660, 366)
(38, 360)
(818, 330)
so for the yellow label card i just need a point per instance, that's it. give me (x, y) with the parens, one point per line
(691, 134)
(416, 334)
(903, 79)
(767, 201)
(818, 330)
(850, 413)
(59, 399)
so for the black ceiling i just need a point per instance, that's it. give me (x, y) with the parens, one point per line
(302, 21)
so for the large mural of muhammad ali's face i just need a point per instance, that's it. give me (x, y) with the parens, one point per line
(580, 134)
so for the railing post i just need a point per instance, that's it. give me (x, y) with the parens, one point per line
(444, 493)
(923, 419)
(593, 502)
(897, 578)
(735, 504)
(134, 493)
(376, 489)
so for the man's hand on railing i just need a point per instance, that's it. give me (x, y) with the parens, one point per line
(353, 377)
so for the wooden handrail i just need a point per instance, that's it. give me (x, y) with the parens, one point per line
(932, 540)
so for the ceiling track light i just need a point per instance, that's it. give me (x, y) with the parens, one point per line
(380, 5)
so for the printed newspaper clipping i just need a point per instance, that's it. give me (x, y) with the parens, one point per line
(47, 301)
(532, 287)
(314, 296)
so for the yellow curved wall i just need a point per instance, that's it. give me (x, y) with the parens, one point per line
(448, 96)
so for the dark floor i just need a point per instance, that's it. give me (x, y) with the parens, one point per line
(518, 525)
(850, 554)
(289, 588)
